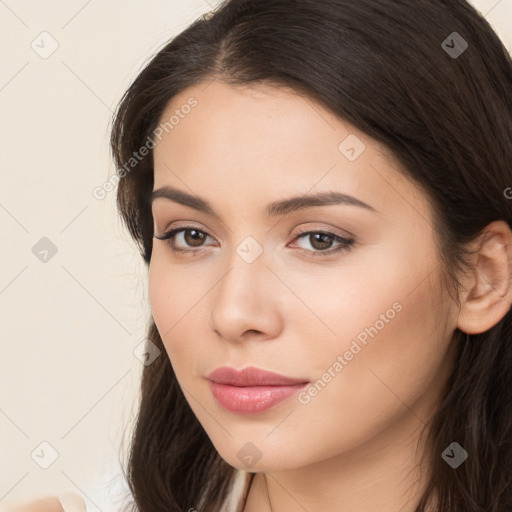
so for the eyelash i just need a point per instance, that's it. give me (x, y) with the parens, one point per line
(345, 243)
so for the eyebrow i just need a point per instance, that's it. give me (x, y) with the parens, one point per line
(273, 209)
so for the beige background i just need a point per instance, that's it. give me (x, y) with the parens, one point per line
(69, 326)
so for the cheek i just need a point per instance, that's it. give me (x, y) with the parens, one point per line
(387, 362)
(178, 306)
(160, 292)
(168, 307)
(379, 350)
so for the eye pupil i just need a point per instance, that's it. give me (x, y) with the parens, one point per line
(324, 239)
(193, 240)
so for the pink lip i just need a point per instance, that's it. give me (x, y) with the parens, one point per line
(251, 390)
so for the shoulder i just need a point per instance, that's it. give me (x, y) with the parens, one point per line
(41, 504)
(66, 501)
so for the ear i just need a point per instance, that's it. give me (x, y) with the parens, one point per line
(488, 295)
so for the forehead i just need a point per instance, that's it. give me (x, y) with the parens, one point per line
(263, 140)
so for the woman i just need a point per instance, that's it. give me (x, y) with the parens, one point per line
(385, 312)
(321, 191)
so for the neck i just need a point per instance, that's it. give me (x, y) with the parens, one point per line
(385, 474)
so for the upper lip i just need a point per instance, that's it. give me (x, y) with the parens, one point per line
(251, 376)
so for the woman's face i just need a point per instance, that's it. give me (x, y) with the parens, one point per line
(365, 322)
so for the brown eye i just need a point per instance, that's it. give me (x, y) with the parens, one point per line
(193, 237)
(184, 239)
(321, 241)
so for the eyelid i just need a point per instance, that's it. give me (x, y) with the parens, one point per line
(184, 225)
(180, 228)
(331, 230)
(344, 243)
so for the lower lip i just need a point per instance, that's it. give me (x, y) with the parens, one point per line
(252, 399)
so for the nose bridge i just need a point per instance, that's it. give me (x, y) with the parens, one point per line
(247, 273)
(243, 300)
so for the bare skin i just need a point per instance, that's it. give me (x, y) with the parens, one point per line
(42, 504)
(356, 444)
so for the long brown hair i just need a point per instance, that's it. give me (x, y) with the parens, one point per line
(430, 80)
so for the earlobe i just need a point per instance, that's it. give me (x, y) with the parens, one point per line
(489, 297)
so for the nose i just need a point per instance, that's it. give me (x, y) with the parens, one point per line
(245, 302)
